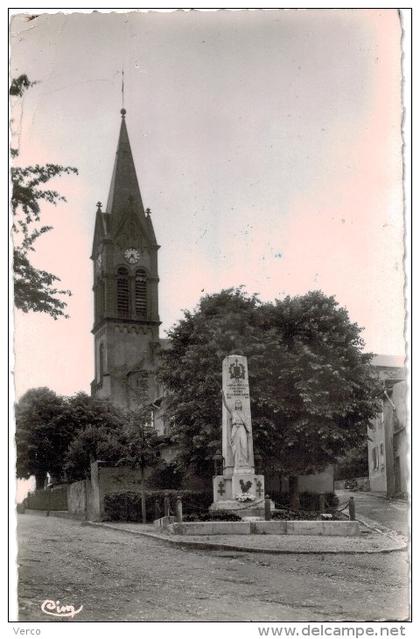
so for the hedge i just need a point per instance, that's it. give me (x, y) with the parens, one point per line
(217, 515)
(308, 501)
(126, 505)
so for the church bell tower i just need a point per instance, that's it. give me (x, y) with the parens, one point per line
(125, 288)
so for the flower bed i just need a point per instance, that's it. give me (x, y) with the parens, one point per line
(306, 515)
(218, 515)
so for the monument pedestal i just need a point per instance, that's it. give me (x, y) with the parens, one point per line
(242, 492)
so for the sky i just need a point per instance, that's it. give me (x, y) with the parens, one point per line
(267, 146)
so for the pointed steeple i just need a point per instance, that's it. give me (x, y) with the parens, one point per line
(124, 190)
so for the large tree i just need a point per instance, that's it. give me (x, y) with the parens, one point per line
(34, 289)
(41, 439)
(99, 435)
(61, 435)
(312, 388)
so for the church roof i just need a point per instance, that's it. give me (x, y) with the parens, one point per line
(124, 184)
(389, 361)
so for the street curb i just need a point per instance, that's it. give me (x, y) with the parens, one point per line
(199, 545)
(378, 527)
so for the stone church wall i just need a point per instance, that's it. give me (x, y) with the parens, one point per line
(107, 480)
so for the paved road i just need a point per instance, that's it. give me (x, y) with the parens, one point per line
(118, 577)
(387, 513)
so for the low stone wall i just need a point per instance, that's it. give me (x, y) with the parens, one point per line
(163, 522)
(280, 527)
(211, 528)
(77, 499)
(54, 498)
(117, 479)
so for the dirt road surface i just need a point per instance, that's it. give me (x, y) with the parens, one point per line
(119, 577)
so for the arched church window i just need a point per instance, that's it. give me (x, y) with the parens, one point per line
(123, 295)
(141, 293)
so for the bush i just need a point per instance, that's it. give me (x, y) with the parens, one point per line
(166, 476)
(293, 514)
(308, 501)
(285, 513)
(219, 515)
(126, 505)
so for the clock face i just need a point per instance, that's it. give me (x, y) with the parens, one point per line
(132, 255)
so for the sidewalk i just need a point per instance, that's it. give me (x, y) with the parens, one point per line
(370, 541)
(371, 493)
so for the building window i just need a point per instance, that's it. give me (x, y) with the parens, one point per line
(141, 293)
(375, 458)
(123, 295)
(381, 449)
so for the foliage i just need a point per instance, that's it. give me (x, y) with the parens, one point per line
(35, 289)
(99, 435)
(217, 515)
(126, 505)
(141, 442)
(41, 437)
(312, 388)
(48, 499)
(56, 434)
(308, 501)
(306, 515)
(166, 475)
(354, 464)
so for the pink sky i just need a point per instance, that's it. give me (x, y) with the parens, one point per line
(267, 144)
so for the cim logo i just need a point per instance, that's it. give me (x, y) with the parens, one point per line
(56, 609)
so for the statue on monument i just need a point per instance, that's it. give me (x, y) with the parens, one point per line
(238, 483)
(239, 434)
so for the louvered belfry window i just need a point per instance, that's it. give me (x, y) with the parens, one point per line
(123, 294)
(101, 361)
(141, 293)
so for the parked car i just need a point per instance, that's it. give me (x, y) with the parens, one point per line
(350, 484)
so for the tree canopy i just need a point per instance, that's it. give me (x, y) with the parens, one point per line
(99, 435)
(35, 289)
(61, 436)
(312, 388)
(41, 435)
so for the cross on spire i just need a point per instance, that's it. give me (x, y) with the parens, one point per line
(122, 88)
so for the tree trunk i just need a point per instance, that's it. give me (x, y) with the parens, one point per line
(40, 481)
(294, 502)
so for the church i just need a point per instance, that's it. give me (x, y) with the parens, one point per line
(126, 323)
(125, 288)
